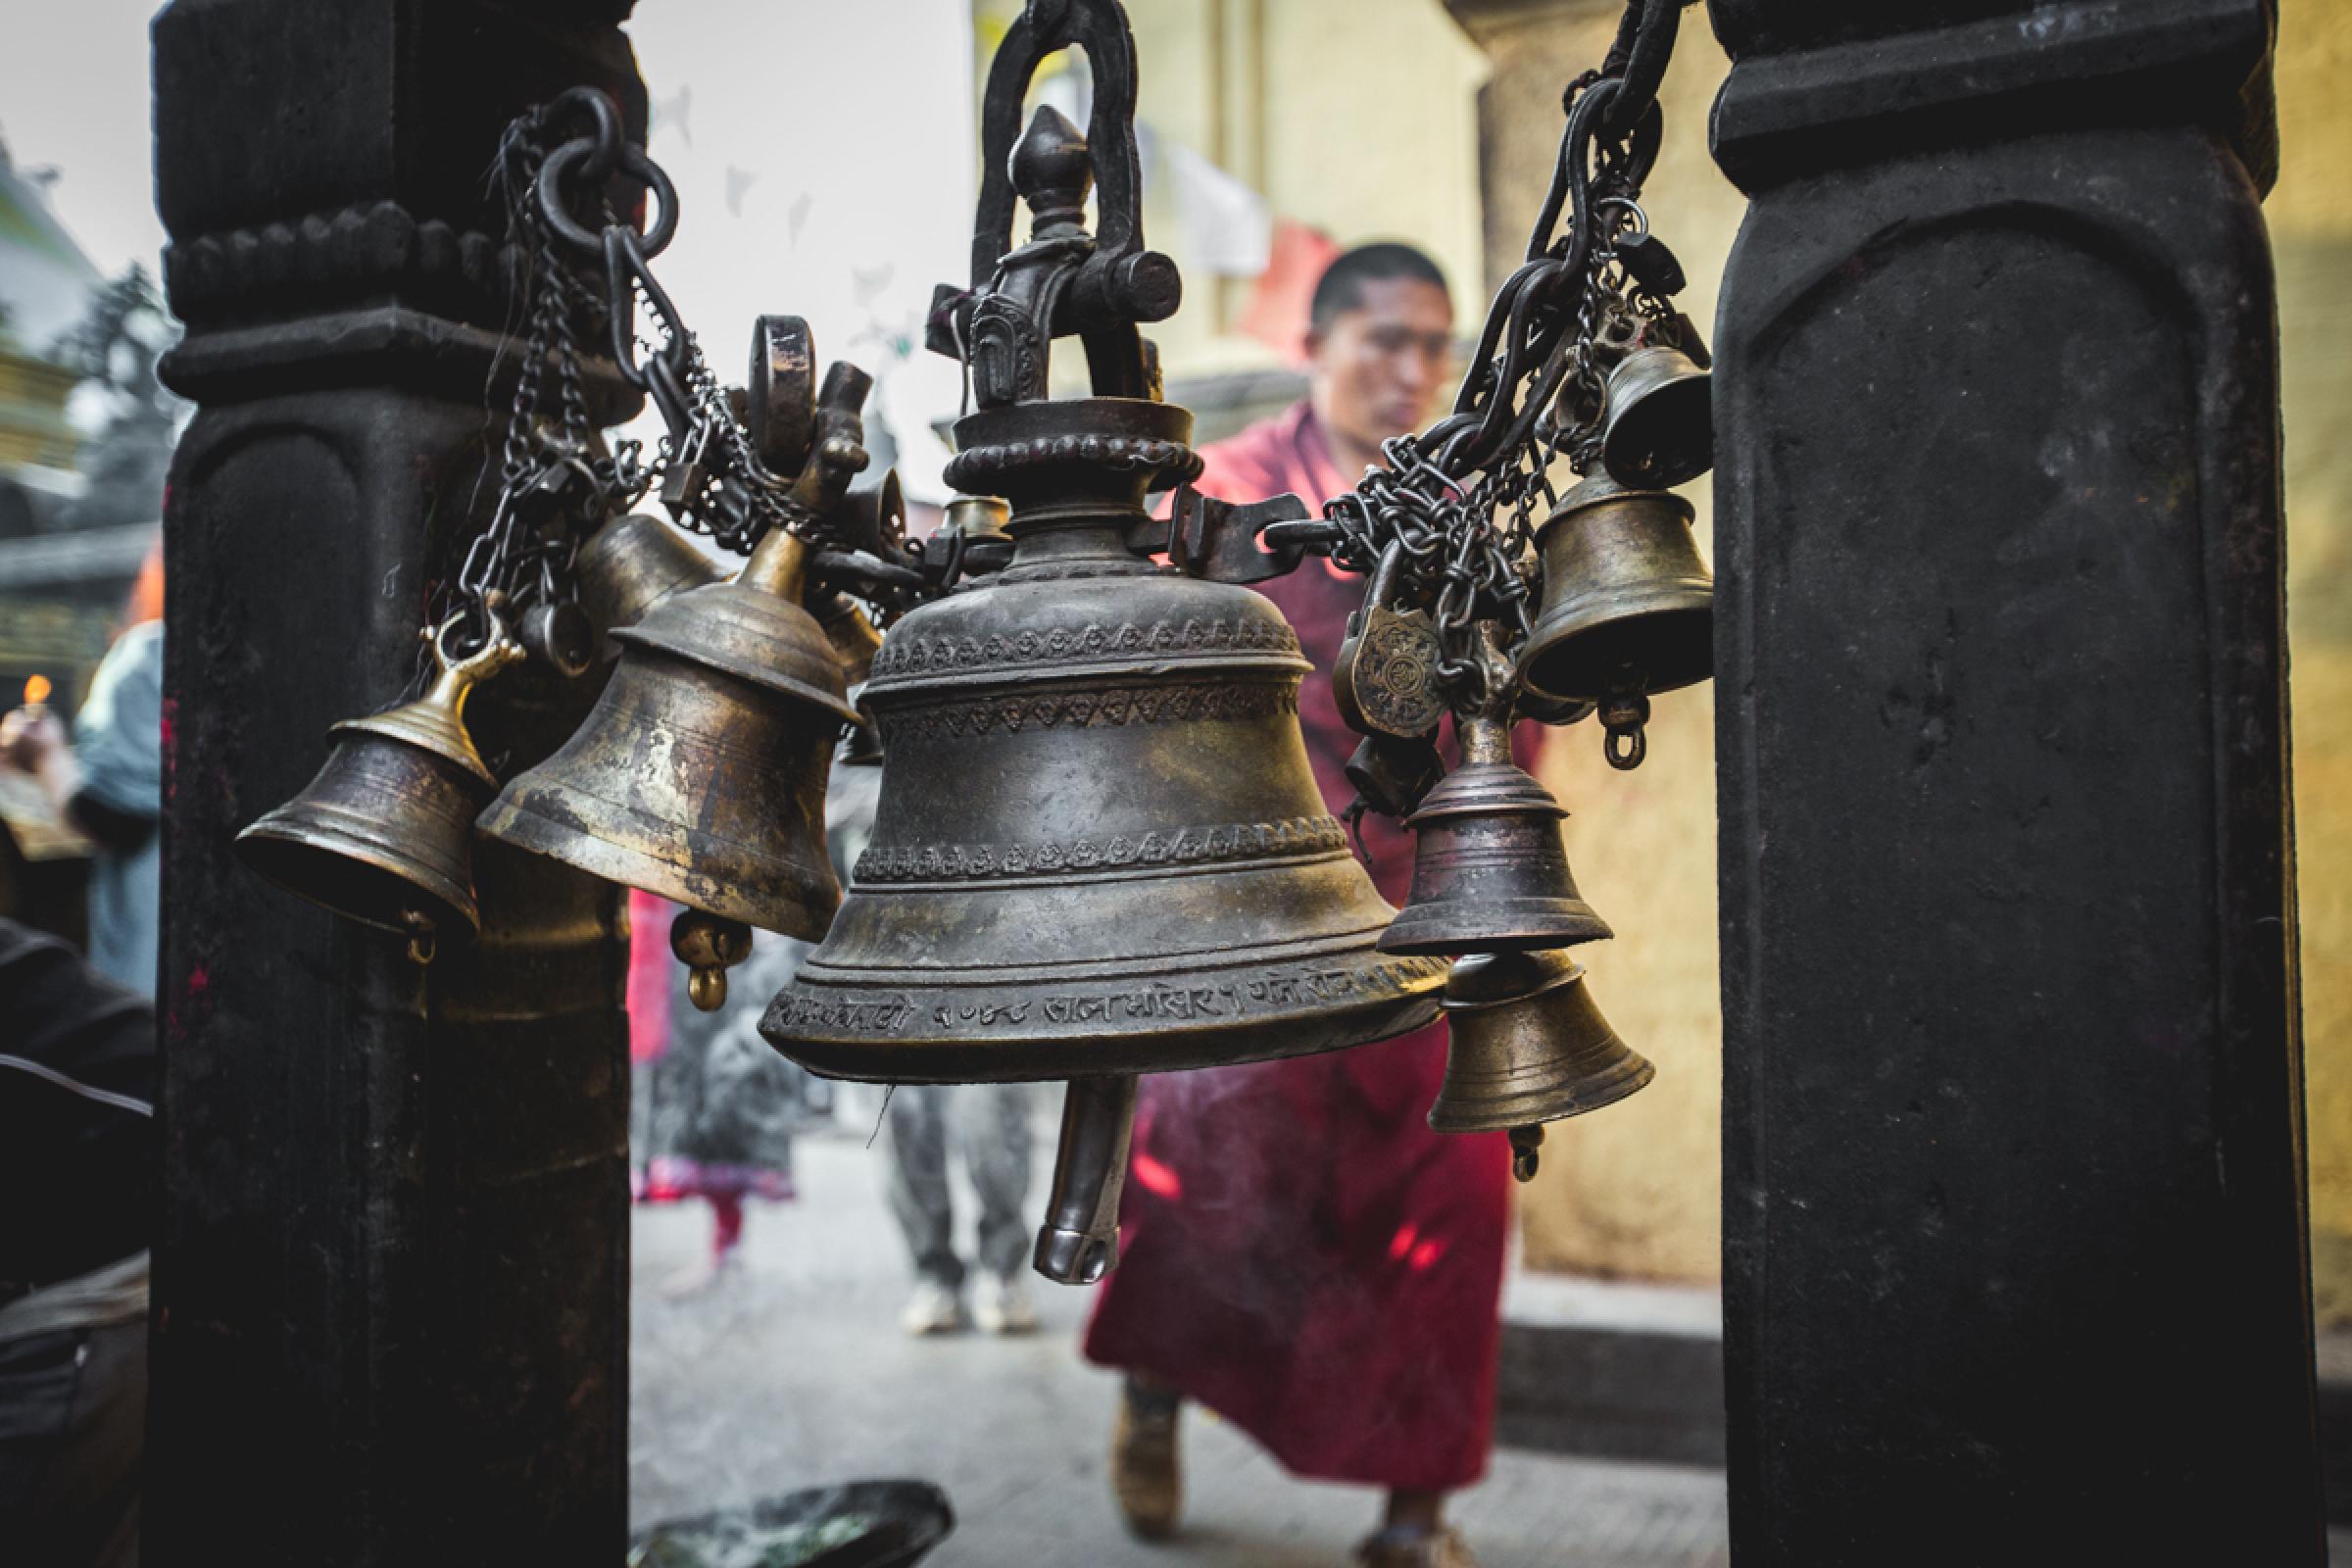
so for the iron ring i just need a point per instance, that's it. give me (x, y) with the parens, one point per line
(599, 108)
(633, 163)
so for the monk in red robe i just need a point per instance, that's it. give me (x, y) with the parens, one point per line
(1300, 1252)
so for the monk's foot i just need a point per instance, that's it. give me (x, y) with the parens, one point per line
(1145, 1475)
(1414, 1546)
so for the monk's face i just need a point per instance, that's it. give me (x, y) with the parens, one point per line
(1377, 368)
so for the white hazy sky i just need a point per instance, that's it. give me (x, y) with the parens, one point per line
(823, 155)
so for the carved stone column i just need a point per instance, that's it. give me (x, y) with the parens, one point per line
(2013, 1235)
(391, 1274)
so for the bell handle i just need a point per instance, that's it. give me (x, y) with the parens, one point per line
(454, 676)
(1079, 1241)
(1121, 282)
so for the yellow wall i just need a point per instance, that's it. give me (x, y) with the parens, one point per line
(2311, 236)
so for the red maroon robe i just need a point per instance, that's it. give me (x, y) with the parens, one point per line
(1300, 1252)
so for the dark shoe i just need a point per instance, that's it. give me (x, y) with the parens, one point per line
(1145, 1476)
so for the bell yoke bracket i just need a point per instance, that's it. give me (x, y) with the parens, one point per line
(1065, 282)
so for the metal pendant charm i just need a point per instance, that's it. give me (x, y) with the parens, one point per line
(1385, 679)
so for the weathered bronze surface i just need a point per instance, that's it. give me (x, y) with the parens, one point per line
(701, 774)
(1099, 847)
(1528, 1046)
(1659, 429)
(1079, 1241)
(384, 834)
(1627, 603)
(631, 564)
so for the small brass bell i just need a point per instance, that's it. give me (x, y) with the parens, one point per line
(1528, 1046)
(631, 564)
(384, 834)
(700, 774)
(1657, 427)
(1079, 1241)
(1629, 605)
(1489, 869)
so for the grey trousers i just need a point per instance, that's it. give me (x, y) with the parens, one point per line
(990, 1122)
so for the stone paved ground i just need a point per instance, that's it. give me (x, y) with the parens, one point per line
(792, 1372)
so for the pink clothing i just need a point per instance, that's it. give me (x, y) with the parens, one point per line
(1300, 1252)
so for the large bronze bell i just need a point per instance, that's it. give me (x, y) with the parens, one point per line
(700, 774)
(629, 565)
(1528, 1046)
(1099, 847)
(384, 834)
(1489, 868)
(1629, 605)
(1658, 426)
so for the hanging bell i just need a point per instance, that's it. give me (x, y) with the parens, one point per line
(631, 564)
(384, 834)
(1099, 847)
(1489, 868)
(700, 774)
(1628, 605)
(1528, 1046)
(1657, 428)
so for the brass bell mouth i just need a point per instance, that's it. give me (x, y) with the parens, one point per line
(1528, 1046)
(1660, 428)
(1629, 605)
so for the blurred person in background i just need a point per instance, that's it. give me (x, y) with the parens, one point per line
(1299, 1250)
(106, 779)
(987, 1125)
(714, 1108)
(78, 1154)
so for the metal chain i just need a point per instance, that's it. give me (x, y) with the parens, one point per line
(1458, 502)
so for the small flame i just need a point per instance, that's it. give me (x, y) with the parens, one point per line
(36, 688)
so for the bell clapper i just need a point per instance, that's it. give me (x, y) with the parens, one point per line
(709, 945)
(1525, 1142)
(423, 940)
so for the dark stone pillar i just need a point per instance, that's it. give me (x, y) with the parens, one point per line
(391, 1275)
(2014, 1244)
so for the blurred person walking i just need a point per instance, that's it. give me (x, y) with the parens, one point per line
(987, 1124)
(713, 1108)
(1300, 1252)
(106, 779)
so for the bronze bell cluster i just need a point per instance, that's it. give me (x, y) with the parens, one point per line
(700, 774)
(1627, 612)
(1628, 607)
(1098, 849)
